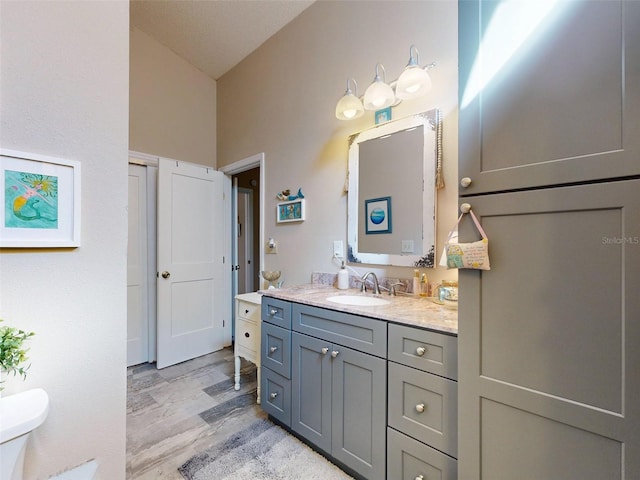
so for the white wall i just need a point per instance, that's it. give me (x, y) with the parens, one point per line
(281, 101)
(64, 93)
(173, 104)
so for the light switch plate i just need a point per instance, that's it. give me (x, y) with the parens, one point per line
(338, 249)
(407, 246)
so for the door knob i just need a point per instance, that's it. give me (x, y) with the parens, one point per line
(274, 395)
(324, 350)
(165, 274)
(334, 353)
(420, 408)
(273, 311)
(273, 349)
(420, 351)
(246, 334)
(465, 182)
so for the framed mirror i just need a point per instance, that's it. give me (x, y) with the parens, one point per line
(392, 192)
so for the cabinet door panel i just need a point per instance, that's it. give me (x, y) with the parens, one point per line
(424, 406)
(311, 390)
(276, 311)
(409, 459)
(552, 328)
(359, 412)
(562, 105)
(276, 395)
(276, 349)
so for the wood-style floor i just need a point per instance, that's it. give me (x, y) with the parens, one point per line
(179, 411)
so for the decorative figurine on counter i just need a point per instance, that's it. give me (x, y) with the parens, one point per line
(286, 195)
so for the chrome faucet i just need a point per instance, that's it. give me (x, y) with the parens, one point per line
(376, 287)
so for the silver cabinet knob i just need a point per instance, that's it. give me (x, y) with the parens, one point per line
(273, 349)
(420, 477)
(335, 353)
(420, 351)
(274, 394)
(165, 274)
(273, 311)
(325, 350)
(420, 408)
(465, 182)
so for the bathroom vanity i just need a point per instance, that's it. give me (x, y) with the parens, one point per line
(372, 387)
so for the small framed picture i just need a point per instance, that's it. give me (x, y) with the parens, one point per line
(292, 211)
(41, 201)
(383, 115)
(377, 214)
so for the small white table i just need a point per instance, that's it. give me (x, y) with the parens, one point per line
(247, 333)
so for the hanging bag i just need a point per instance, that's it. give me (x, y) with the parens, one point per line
(466, 255)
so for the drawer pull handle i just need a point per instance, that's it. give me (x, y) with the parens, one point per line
(246, 311)
(273, 349)
(246, 334)
(325, 350)
(273, 311)
(274, 395)
(420, 477)
(420, 408)
(420, 351)
(335, 353)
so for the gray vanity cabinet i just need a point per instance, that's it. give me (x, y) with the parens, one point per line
(275, 357)
(549, 337)
(339, 393)
(422, 438)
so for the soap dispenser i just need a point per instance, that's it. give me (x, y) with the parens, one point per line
(343, 278)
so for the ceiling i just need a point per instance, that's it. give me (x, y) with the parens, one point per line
(213, 35)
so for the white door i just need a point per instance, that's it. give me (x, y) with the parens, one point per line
(137, 301)
(190, 261)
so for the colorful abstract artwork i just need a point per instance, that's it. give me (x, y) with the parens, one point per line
(40, 199)
(30, 200)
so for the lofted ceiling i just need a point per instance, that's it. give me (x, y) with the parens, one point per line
(213, 35)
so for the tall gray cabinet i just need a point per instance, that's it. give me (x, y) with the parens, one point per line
(549, 150)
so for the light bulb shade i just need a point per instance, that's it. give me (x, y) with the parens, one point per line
(349, 107)
(379, 95)
(413, 82)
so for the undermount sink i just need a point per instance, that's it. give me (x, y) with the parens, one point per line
(358, 300)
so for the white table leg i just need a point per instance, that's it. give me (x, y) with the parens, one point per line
(258, 389)
(237, 376)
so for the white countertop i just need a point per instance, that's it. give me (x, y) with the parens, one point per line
(402, 309)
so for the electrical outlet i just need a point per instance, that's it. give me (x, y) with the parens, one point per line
(338, 249)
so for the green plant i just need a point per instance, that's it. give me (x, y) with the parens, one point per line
(12, 352)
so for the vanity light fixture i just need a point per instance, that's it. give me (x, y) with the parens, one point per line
(379, 95)
(412, 83)
(414, 80)
(349, 106)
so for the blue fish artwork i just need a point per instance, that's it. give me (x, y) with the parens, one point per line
(286, 195)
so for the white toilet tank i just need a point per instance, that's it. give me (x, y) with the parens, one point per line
(19, 415)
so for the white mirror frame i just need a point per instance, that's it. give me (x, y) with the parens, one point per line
(430, 121)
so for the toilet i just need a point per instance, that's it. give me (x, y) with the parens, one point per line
(19, 415)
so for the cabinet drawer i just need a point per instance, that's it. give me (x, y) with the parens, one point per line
(275, 395)
(408, 459)
(425, 350)
(424, 406)
(276, 349)
(360, 333)
(247, 337)
(276, 311)
(248, 310)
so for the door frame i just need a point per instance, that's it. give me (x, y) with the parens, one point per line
(151, 162)
(248, 163)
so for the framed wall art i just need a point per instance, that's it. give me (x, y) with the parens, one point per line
(40, 201)
(291, 211)
(377, 215)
